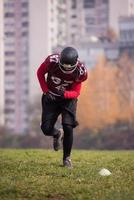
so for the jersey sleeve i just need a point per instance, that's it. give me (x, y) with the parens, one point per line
(42, 70)
(74, 92)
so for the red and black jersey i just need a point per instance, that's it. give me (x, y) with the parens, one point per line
(56, 77)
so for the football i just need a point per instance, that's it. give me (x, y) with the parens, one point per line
(104, 172)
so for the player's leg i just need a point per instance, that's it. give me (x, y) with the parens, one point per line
(69, 122)
(67, 144)
(50, 113)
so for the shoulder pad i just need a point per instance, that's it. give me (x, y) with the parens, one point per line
(54, 58)
(82, 73)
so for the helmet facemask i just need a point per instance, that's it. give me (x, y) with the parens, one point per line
(68, 67)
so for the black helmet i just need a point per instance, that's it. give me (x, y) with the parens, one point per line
(68, 58)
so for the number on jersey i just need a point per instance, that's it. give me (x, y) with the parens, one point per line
(54, 58)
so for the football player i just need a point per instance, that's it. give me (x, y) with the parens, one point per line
(60, 77)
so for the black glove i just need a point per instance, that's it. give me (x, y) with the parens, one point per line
(50, 97)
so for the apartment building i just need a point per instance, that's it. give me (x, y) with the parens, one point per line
(62, 23)
(16, 64)
(30, 31)
(1, 65)
(126, 27)
(86, 19)
(43, 37)
(118, 9)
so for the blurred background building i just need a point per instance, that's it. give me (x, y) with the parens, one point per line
(30, 30)
(16, 64)
(117, 9)
(1, 64)
(47, 29)
(86, 19)
(126, 27)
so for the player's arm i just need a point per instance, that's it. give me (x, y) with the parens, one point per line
(74, 92)
(42, 70)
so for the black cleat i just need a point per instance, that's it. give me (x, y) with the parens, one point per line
(57, 141)
(67, 162)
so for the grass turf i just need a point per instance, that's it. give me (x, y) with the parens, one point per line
(38, 175)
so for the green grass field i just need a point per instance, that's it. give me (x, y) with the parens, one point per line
(38, 174)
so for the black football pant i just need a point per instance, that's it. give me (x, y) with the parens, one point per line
(50, 112)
